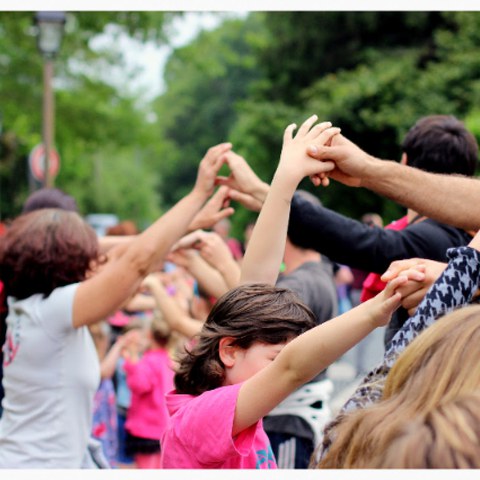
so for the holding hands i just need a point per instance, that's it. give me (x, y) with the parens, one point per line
(209, 167)
(421, 273)
(294, 160)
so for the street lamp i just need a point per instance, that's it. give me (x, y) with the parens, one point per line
(50, 28)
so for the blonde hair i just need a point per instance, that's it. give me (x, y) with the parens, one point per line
(446, 437)
(439, 365)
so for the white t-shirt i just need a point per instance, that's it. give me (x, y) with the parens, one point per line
(51, 372)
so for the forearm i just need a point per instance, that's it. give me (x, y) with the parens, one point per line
(140, 302)
(230, 272)
(265, 251)
(109, 363)
(176, 318)
(444, 198)
(152, 245)
(211, 280)
(340, 238)
(316, 349)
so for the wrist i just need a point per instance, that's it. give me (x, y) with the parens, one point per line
(286, 182)
(199, 194)
(260, 191)
(375, 171)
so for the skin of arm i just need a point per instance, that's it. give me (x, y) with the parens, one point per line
(448, 195)
(207, 277)
(109, 363)
(266, 247)
(140, 302)
(107, 242)
(115, 281)
(312, 352)
(216, 252)
(176, 318)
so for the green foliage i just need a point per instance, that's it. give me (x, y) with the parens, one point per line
(371, 73)
(205, 82)
(106, 144)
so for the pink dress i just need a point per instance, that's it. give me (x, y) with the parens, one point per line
(200, 434)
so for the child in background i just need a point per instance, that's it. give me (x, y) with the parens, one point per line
(135, 332)
(104, 426)
(149, 377)
(246, 360)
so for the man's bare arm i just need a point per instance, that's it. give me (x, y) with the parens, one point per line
(450, 199)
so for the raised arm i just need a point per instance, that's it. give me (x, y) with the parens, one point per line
(101, 294)
(451, 198)
(176, 318)
(312, 352)
(208, 278)
(267, 245)
(215, 251)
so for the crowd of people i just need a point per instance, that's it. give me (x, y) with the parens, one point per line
(180, 347)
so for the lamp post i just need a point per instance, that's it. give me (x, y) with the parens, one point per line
(50, 28)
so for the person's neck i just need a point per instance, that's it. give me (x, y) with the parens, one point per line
(297, 259)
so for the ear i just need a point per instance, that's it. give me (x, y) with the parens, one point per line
(227, 351)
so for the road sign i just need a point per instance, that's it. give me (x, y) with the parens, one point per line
(36, 161)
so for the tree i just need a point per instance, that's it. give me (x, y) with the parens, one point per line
(205, 81)
(93, 119)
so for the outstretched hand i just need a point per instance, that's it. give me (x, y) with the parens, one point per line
(386, 302)
(350, 160)
(209, 167)
(216, 209)
(294, 160)
(245, 186)
(422, 273)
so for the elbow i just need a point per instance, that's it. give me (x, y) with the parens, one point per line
(141, 260)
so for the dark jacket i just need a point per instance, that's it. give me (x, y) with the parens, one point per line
(358, 245)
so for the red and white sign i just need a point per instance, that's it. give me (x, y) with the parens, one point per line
(36, 160)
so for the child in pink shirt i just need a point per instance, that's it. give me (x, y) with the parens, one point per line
(246, 359)
(148, 378)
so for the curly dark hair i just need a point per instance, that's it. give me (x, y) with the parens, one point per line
(249, 313)
(46, 249)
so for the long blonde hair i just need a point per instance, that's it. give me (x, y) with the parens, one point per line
(446, 437)
(439, 365)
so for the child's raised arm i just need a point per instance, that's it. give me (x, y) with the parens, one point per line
(266, 247)
(310, 353)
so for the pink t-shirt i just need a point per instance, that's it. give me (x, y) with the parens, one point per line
(200, 434)
(149, 380)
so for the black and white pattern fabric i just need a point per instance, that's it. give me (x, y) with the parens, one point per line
(455, 287)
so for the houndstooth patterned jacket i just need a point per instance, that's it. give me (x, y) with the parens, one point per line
(454, 288)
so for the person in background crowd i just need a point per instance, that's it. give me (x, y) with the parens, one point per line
(149, 377)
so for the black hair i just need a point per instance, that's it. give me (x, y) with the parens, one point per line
(441, 144)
